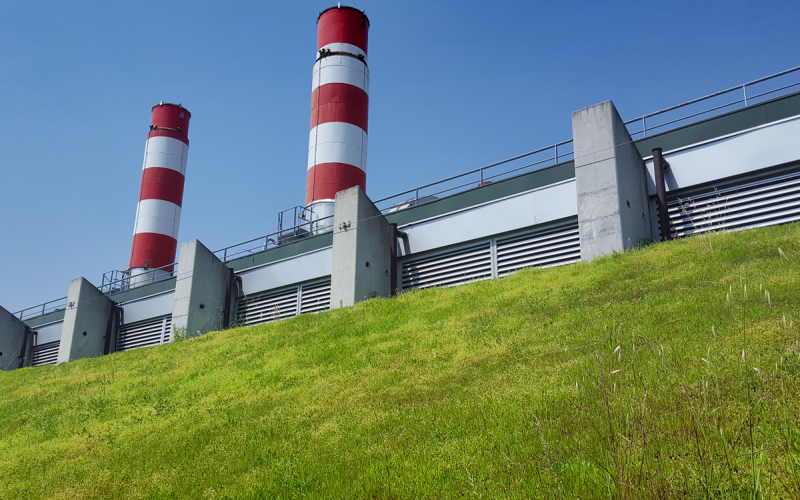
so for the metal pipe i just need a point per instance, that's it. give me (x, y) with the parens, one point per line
(25, 338)
(226, 309)
(395, 233)
(112, 327)
(661, 192)
(393, 260)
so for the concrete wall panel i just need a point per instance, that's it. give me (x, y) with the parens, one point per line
(12, 338)
(611, 183)
(85, 322)
(199, 303)
(360, 261)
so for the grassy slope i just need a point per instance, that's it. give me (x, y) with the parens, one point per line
(491, 388)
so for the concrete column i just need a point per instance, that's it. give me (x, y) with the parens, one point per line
(12, 339)
(86, 321)
(201, 291)
(361, 240)
(610, 177)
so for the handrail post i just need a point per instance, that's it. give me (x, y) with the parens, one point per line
(744, 90)
(555, 153)
(416, 196)
(644, 125)
(481, 184)
(225, 256)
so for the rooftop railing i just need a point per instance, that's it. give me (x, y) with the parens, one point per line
(120, 281)
(511, 167)
(720, 102)
(761, 89)
(279, 237)
(42, 309)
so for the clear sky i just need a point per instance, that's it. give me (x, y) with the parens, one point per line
(454, 86)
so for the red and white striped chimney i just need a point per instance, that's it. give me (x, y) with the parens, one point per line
(158, 214)
(337, 145)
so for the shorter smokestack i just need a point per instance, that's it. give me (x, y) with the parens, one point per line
(158, 213)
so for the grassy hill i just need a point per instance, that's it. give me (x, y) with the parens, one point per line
(648, 374)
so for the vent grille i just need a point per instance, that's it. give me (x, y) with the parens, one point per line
(757, 204)
(452, 267)
(554, 246)
(266, 307)
(45, 354)
(315, 297)
(274, 305)
(145, 333)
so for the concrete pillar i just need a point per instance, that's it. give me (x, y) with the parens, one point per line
(86, 321)
(12, 339)
(361, 261)
(610, 177)
(202, 291)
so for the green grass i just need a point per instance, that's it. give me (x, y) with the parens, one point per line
(498, 389)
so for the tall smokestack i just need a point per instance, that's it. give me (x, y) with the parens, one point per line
(337, 145)
(158, 214)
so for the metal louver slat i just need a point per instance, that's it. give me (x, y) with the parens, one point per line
(145, 333)
(757, 204)
(554, 246)
(315, 297)
(267, 306)
(452, 267)
(45, 354)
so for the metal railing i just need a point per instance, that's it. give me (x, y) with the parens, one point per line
(280, 237)
(723, 107)
(542, 157)
(119, 281)
(42, 309)
(479, 176)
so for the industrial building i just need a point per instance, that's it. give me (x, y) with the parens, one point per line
(726, 161)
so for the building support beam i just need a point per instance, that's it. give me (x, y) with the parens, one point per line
(361, 250)
(610, 178)
(15, 341)
(86, 320)
(202, 291)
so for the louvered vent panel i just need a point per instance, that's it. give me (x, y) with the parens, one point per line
(316, 297)
(144, 333)
(453, 267)
(45, 354)
(763, 203)
(168, 329)
(554, 246)
(266, 306)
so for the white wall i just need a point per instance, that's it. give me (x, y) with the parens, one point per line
(148, 307)
(538, 206)
(765, 146)
(297, 269)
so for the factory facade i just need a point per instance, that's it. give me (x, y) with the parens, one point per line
(609, 189)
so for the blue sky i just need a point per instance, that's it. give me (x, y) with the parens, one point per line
(454, 86)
